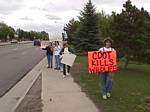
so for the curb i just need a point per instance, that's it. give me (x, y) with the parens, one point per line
(21, 99)
(11, 100)
(31, 84)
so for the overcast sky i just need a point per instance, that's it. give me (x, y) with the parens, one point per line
(51, 15)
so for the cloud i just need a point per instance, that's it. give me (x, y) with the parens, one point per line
(35, 8)
(64, 5)
(108, 2)
(1, 17)
(40, 14)
(117, 5)
(44, 9)
(52, 17)
(26, 19)
(117, 2)
(42, 27)
(8, 6)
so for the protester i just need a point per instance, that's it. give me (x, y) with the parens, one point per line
(61, 65)
(66, 50)
(49, 53)
(57, 50)
(106, 77)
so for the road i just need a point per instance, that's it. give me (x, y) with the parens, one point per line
(15, 62)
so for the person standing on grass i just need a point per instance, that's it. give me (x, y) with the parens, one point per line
(49, 53)
(57, 50)
(66, 50)
(105, 77)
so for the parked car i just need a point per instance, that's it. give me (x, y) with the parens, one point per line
(14, 41)
(37, 43)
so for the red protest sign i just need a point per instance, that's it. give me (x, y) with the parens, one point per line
(102, 61)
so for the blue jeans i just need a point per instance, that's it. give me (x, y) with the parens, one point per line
(50, 60)
(57, 61)
(106, 83)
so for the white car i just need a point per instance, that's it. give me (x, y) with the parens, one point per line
(14, 41)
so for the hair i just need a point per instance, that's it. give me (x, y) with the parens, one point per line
(65, 44)
(56, 42)
(108, 39)
(50, 43)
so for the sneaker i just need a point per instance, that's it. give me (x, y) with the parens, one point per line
(64, 76)
(56, 68)
(48, 67)
(104, 97)
(108, 95)
(68, 74)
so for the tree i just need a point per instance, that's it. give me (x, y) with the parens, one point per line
(6, 31)
(104, 22)
(87, 37)
(11, 33)
(31, 35)
(147, 27)
(71, 29)
(128, 32)
(44, 35)
(20, 33)
(146, 54)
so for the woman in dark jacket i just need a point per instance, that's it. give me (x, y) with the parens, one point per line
(49, 53)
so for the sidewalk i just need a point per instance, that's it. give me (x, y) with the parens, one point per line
(63, 94)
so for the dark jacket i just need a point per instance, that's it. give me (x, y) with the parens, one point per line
(49, 50)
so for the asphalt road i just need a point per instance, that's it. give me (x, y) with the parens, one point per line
(15, 62)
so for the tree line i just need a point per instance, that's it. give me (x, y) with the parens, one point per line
(130, 31)
(8, 33)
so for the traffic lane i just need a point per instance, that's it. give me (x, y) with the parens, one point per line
(6, 50)
(14, 66)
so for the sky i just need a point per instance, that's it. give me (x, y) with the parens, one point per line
(52, 15)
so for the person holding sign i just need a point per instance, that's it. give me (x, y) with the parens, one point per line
(66, 50)
(106, 78)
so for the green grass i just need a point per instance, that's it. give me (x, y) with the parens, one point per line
(129, 89)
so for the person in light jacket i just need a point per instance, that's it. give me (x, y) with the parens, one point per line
(57, 50)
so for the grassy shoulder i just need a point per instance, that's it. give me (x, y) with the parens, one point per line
(130, 87)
